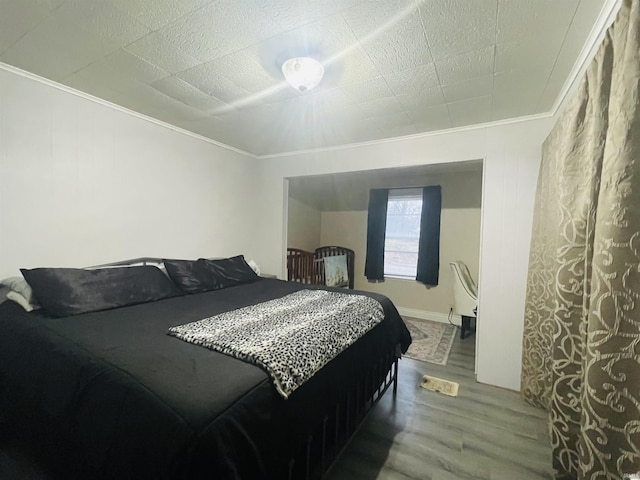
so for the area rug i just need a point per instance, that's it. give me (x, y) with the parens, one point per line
(440, 385)
(432, 341)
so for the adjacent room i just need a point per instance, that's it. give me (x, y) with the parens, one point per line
(332, 210)
(359, 239)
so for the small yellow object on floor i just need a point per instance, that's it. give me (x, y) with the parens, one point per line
(440, 385)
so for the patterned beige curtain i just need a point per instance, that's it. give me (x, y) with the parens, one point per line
(581, 359)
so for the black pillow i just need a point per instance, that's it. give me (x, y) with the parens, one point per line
(201, 275)
(70, 291)
(187, 274)
(227, 272)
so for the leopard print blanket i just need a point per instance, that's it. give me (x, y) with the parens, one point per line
(290, 337)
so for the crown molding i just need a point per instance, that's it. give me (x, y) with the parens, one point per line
(606, 17)
(141, 116)
(448, 131)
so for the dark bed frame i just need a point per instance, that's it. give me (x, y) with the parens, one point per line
(339, 425)
(328, 439)
(312, 460)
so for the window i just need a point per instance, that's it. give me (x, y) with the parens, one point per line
(402, 236)
(396, 246)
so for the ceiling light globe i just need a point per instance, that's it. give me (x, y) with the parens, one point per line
(303, 73)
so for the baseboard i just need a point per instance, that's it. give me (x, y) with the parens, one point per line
(433, 316)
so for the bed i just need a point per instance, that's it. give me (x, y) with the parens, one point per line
(110, 395)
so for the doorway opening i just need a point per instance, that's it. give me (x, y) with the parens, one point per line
(331, 210)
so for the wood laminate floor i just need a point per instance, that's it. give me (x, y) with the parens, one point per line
(483, 433)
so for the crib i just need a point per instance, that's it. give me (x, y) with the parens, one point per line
(308, 267)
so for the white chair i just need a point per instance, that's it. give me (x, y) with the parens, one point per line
(465, 296)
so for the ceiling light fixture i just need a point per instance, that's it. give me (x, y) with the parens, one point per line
(303, 73)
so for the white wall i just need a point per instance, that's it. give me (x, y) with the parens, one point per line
(303, 226)
(82, 183)
(511, 156)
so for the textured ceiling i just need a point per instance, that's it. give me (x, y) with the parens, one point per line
(393, 67)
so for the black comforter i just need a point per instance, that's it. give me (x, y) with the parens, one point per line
(121, 399)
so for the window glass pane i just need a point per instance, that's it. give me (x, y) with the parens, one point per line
(402, 236)
(400, 264)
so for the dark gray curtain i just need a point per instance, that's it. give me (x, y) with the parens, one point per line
(376, 230)
(429, 245)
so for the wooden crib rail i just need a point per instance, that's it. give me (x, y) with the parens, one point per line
(308, 267)
(300, 266)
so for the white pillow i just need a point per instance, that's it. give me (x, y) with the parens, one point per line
(22, 293)
(254, 266)
(20, 285)
(20, 300)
